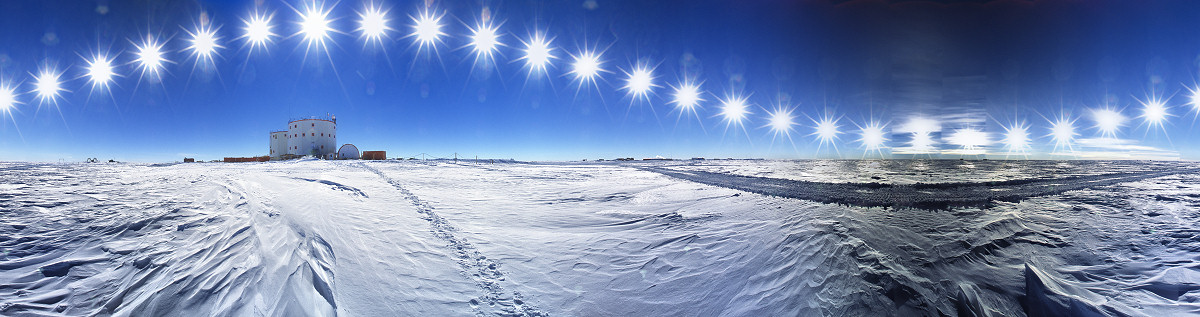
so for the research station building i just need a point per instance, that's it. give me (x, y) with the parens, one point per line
(312, 136)
(279, 144)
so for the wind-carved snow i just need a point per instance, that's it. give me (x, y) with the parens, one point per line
(314, 237)
(485, 272)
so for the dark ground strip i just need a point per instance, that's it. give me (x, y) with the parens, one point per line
(925, 196)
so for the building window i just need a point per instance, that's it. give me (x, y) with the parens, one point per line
(313, 124)
(322, 134)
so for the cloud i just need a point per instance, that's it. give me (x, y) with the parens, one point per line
(1114, 148)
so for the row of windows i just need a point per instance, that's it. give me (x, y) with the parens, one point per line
(310, 124)
(297, 148)
(302, 134)
(314, 134)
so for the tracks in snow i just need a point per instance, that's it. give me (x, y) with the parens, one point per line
(483, 271)
(925, 196)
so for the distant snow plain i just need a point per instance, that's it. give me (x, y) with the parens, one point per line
(681, 238)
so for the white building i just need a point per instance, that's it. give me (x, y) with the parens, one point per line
(279, 144)
(312, 136)
(349, 152)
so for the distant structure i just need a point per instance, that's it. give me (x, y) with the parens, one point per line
(349, 152)
(315, 136)
(312, 136)
(279, 144)
(374, 155)
(247, 159)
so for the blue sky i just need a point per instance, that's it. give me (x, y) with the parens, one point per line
(973, 66)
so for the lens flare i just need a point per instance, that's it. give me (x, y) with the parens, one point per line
(314, 26)
(100, 71)
(971, 140)
(1062, 130)
(734, 110)
(826, 129)
(427, 29)
(47, 85)
(1194, 99)
(485, 40)
(8, 98)
(257, 31)
(1016, 138)
(203, 44)
(781, 122)
(639, 82)
(922, 141)
(538, 53)
(150, 56)
(687, 97)
(1154, 112)
(1108, 121)
(373, 25)
(871, 136)
(586, 67)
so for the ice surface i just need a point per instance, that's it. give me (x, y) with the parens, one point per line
(667, 238)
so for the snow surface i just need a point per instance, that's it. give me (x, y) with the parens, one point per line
(665, 238)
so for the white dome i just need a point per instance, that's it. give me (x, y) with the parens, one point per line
(350, 152)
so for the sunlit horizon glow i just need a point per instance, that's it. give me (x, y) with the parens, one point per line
(373, 24)
(538, 53)
(639, 82)
(47, 85)
(100, 71)
(1108, 121)
(427, 29)
(150, 56)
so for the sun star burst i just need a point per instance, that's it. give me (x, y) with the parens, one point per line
(258, 31)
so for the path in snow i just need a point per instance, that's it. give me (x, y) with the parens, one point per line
(485, 272)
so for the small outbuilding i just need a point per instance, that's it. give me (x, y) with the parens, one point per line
(374, 155)
(349, 152)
